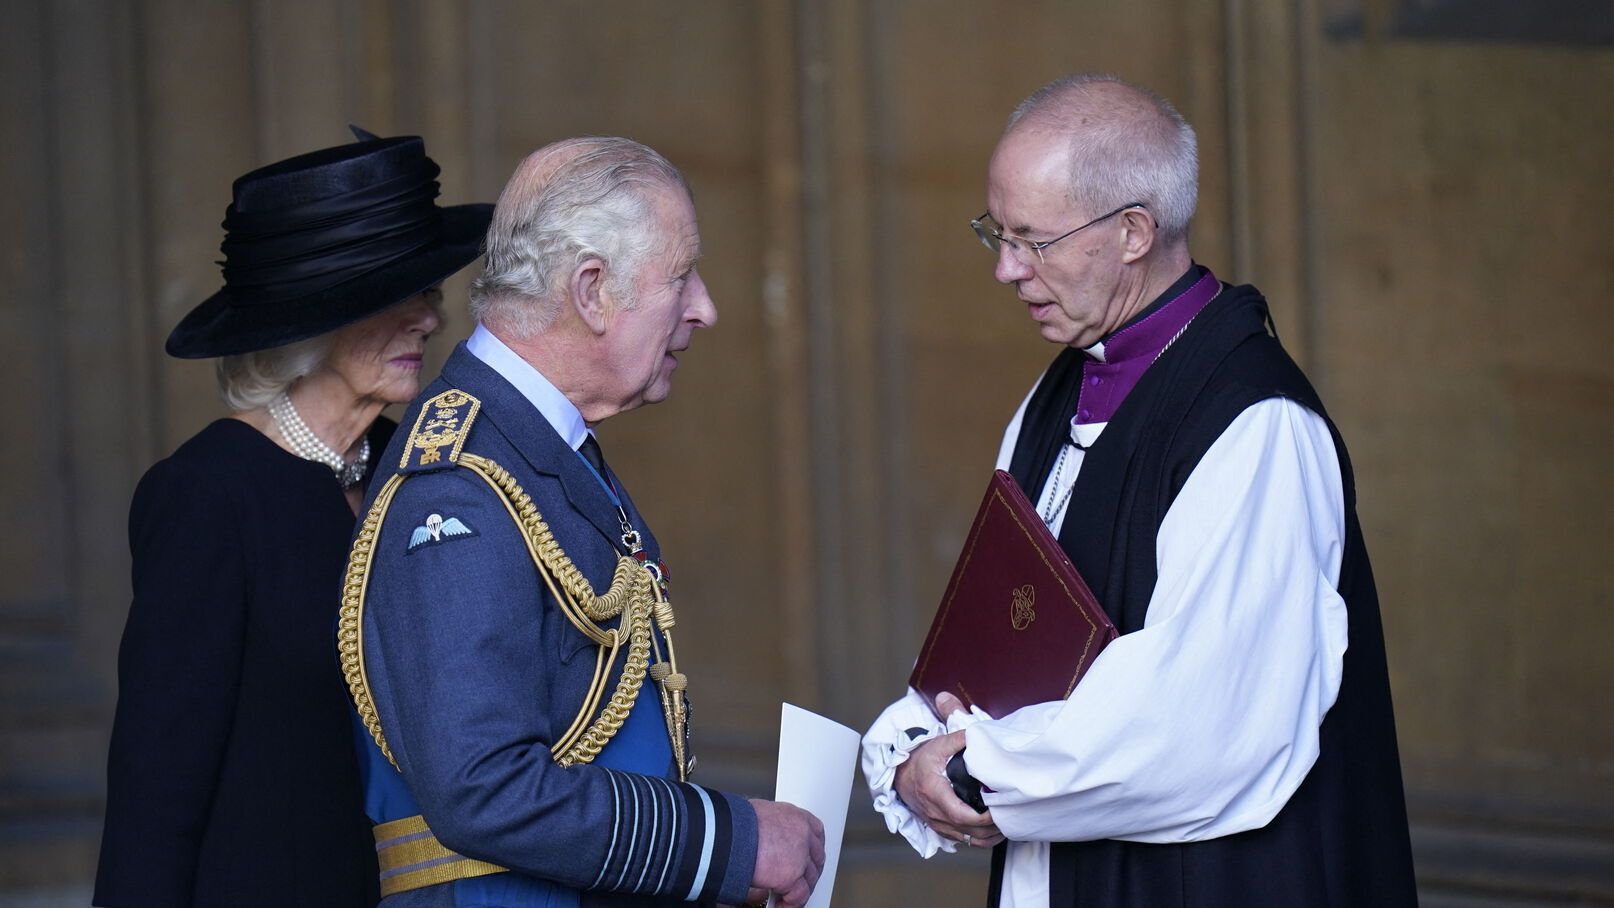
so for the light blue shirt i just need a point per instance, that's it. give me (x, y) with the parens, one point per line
(561, 413)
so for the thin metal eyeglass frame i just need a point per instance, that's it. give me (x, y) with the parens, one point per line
(990, 238)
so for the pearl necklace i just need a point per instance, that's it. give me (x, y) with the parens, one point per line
(305, 444)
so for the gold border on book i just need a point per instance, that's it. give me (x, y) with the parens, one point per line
(963, 564)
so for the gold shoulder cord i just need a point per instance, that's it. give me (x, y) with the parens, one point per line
(634, 595)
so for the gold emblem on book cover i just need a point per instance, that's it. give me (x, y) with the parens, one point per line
(1022, 610)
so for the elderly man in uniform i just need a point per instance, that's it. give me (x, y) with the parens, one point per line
(507, 627)
(1235, 745)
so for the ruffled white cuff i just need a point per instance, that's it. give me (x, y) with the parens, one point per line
(887, 746)
(898, 818)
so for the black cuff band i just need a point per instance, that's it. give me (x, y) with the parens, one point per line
(964, 785)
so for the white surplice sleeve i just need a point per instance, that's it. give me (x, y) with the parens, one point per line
(1204, 722)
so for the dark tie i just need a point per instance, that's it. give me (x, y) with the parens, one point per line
(590, 449)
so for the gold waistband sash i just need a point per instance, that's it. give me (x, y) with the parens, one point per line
(412, 858)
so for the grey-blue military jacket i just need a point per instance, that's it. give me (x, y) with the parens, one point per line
(474, 672)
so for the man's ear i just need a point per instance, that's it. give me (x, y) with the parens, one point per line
(1138, 234)
(587, 293)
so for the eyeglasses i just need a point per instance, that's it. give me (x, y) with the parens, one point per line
(992, 236)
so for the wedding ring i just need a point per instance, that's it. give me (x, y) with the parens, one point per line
(967, 840)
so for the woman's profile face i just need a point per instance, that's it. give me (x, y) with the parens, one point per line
(380, 357)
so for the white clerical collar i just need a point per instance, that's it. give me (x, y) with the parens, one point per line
(1083, 435)
(561, 413)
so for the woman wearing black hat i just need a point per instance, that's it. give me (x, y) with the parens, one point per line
(231, 777)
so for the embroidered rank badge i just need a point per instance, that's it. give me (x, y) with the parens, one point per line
(440, 429)
(436, 530)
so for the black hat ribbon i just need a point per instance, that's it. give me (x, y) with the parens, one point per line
(285, 253)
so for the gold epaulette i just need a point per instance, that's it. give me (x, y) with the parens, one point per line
(444, 422)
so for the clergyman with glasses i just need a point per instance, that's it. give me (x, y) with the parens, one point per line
(1235, 745)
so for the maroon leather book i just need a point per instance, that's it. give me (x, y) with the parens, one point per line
(1017, 624)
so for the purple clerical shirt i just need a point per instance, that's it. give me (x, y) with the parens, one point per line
(1114, 365)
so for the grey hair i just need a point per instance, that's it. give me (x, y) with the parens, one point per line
(1123, 150)
(595, 204)
(248, 381)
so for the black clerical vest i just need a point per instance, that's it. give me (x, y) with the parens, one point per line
(1342, 838)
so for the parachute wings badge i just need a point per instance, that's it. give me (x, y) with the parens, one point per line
(436, 530)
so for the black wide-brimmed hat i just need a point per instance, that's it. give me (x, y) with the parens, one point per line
(324, 239)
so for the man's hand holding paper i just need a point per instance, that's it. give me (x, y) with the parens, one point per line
(786, 835)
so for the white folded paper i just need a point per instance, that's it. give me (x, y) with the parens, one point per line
(816, 759)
